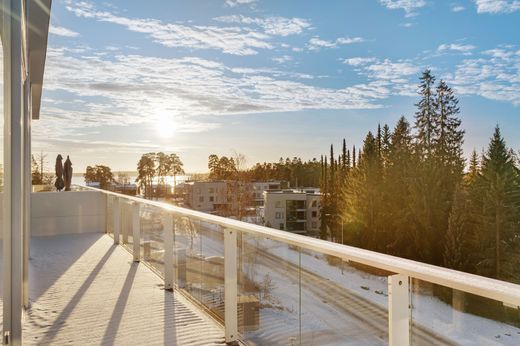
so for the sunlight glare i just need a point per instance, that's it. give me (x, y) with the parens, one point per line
(165, 124)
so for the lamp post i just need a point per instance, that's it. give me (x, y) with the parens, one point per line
(342, 238)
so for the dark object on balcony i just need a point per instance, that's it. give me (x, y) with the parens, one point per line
(67, 173)
(59, 184)
(248, 313)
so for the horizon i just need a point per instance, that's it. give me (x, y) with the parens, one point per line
(266, 79)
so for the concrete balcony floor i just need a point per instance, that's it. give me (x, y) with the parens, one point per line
(86, 291)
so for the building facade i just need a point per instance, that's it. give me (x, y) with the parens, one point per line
(206, 196)
(295, 211)
(260, 186)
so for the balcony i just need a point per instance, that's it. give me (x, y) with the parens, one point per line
(108, 268)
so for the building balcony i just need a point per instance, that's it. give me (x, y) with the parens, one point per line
(107, 268)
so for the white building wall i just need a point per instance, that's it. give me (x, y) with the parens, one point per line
(54, 213)
(275, 213)
(203, 195)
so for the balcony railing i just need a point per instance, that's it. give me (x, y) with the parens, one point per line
(274, 287)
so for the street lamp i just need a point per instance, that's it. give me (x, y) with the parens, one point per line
(342, 239)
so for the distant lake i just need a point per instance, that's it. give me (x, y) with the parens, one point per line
(79, 180)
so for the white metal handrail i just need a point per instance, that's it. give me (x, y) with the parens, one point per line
(505, 292)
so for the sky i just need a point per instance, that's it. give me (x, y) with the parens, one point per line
(266, 79)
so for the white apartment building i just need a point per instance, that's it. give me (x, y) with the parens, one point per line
(294, 210)
(260, 186)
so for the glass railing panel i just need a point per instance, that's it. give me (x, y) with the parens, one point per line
(342, 303)
(152, 236)
(109, 219)
(127, 231)
(268, 291)
(189, 257)
(444, 316)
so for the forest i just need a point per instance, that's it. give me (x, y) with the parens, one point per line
(410, 192)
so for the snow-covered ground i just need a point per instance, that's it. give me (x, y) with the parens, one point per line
(328, 316)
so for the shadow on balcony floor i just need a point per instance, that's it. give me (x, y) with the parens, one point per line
(86, 291)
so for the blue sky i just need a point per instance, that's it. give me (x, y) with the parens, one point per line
(266, 78)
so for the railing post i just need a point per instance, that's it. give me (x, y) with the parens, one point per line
(116, 214)
(230, 286)
(136, 231)
(169, 228)
(399, 310)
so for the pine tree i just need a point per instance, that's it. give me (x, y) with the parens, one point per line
(399, 173)
(424, 117)
(499, 186)
(379, 140)
(457, 237)
(448, 138)
(385, 143)
(363, 196)
(474, 167)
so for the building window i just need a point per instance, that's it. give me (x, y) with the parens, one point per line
(281, 226)
(211, 190)
(278, 215)
(314, 204)
(314, 214)
(278, 204)
(201, 199)
(211, 198)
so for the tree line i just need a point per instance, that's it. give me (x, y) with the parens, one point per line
(157, 165)
(296, 172)
(406, 192)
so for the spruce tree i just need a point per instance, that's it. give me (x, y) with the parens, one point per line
(399, 174)
(457, 248)
(448, 137)
(354, 156)
(424, 117)
(499, 186)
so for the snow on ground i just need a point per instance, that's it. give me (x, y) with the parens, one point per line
(428, 311)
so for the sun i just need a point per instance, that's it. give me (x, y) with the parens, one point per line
(165, 125)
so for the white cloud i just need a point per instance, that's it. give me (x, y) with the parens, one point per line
(456, 7)
(230, 40)
(61, 31)
(495, 75)
(317, 43)
(233, 3)
(390, 70)
(409, 6)
(282, 59)
(497, 6)
(134, 89)
(457, 47)
(358, 61)
(278, 26)
(398, 77)
(349, 40)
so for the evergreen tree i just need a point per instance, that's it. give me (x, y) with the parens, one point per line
(385, 143)
(457, 248)
(354, 156)
(499, 187)
(473, 170)
(398, 177)
(448, 138)
(424, 117)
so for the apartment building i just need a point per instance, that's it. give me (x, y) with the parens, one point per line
(293, 210)
(260, 186)
(206, 196)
